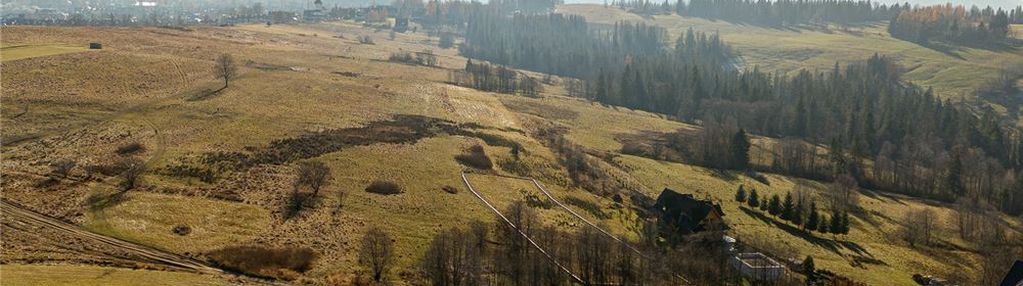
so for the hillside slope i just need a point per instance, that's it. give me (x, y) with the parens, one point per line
(955, 73)
(314, 93)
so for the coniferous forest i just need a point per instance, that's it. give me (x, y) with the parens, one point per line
(951, 24)
(863, 111)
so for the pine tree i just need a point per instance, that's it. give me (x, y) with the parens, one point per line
(813, 218)
(740, 194)
(797, 214)
(787, 207)
(774, 207)
(836, 222)
(754, 199)
(845, 223)
(808, 268)
(823, 226)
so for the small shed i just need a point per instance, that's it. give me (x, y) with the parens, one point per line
(758, 266)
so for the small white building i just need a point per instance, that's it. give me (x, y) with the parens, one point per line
(758, 266)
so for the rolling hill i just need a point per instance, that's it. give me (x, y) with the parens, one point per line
(319, 84)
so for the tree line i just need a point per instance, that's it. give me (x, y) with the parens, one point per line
(484, 254)
(789, 12)
(497, 78)
(801, 211)
(861, 111)
(952, 24)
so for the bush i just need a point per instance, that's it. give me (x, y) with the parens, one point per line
(450, 189)
(384, 188)
(476, 158)
(277, 263)
(131, 148)
(366, 40)
(182, 229)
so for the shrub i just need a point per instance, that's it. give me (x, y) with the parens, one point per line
(476, 158)
(131, 148)
(277, 263)
(384, 188)
(366, 40)
(450, 189)
(182, 229)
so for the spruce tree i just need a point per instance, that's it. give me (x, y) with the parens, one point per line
(797, 214)
(813, 218)
(754, 199)
(823, 226)
(845, 223)
(740, 194)
(740, 150)
(787, 207)
(836, 222)
(808, 268)
(774, 207)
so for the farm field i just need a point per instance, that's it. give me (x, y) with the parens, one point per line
(16, 52)
(153, 86)
(955, 73)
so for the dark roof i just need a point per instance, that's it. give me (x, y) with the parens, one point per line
(684, 210)
(1015, 275)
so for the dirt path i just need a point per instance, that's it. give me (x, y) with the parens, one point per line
(606, 233)
(523, 234)
(149, 254)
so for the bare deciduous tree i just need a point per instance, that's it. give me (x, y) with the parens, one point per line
(844, 193)
(377, 252)
(132, 170)
(920, 225)
(225, 68)
(62, 167)
(314, 175)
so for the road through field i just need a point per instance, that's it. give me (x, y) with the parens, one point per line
(148, 254)
(551, 258)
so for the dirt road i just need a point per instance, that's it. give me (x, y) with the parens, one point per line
(20, 217)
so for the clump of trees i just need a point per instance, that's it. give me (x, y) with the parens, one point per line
(788, 12)
(800, 210)
(278, 263)
(497, 78)
(951, 24)
(528, 251)
(424, 58)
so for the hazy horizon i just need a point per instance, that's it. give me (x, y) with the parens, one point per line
(1005, 4)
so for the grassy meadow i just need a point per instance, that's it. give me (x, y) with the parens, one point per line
(154, 86)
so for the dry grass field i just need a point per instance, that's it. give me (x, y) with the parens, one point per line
(154, 86)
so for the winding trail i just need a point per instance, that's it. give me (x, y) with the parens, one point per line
(149, 254)
(523, 234)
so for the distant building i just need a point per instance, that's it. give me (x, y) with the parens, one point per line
(758, 266)
(1015, 275)
(401, 24)
(688, 214)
